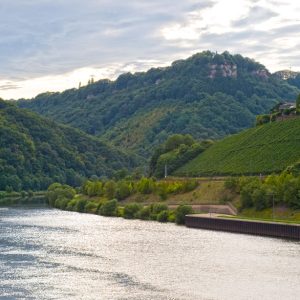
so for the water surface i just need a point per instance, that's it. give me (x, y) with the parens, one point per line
(52, 254)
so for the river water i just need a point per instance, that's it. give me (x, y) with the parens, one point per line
(52, 254)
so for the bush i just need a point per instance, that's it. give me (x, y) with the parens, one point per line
(110, 189)
(144, 213)
(171, 217)
(181, 212)
(71, 205)
(163, 216)
(91, 207)
(131, 210)
(156, 208)
(259, 199)
(123, 190)
(61, 203)
(57, 190)
(81, 203)
(120, 212)
(109, 208)
(145, 185)
(162, 192)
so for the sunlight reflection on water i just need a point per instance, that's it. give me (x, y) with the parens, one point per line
(52, 254)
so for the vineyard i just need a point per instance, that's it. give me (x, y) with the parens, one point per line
(264, 149)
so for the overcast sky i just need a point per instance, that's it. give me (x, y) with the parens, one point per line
(52, 45)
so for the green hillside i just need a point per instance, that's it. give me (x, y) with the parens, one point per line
(34, 152)
(265, 149)
(208, 95)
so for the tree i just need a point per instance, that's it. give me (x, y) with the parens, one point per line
(109, 208)
(131, 210)
(180, 213)
(174, 141)
(59, 191)
(123, 190)
(110, 189)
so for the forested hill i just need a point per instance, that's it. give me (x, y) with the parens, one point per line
(34, 152)
(208, 95)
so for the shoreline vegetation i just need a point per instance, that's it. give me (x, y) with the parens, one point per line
(22, 198)
(270, 198)
(107, 199)
(273, 198)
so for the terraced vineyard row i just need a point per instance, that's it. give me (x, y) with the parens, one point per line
(265, 149)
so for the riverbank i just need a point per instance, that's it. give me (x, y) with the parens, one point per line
(23, 198)
(254, 227)
(161, 201)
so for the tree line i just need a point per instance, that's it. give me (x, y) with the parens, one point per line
(104, 198)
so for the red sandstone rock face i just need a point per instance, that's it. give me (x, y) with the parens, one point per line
(226, 70)
(230, 70)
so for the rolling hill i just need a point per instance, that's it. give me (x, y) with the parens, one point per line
(208, 95)
(264, 149)
(34, 152)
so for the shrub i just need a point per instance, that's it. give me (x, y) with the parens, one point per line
(144, 213)
(145, 185)
(162, 192)
(163, 216)
(110, 189)
(57, 190)
(156, 208)
(259, 199)
(61, 203)
(109, 208)
(180, 213)
(131, 210)
(120, 212)
(71, 205)
(91, 207)
(81, 203)
(171, 217)
(123, 190)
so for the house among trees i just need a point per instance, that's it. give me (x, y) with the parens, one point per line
(280, 112)
(287, 105)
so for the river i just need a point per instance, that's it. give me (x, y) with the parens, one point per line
(52, 254)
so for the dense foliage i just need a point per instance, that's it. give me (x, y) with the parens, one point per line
(264, 149)
(122, 189)
(63, 197)
(295, 81)
(174, 153)
(283, 189)
(208, 95)
(34, 152)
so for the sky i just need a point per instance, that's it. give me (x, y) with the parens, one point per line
(53, 45)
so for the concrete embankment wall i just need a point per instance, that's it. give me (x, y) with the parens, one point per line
(244, 226)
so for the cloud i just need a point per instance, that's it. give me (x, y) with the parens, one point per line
(51, 37)
(9, 86)
(52, 45)
(256, 15)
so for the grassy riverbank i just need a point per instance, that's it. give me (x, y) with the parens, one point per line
(281, 214)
